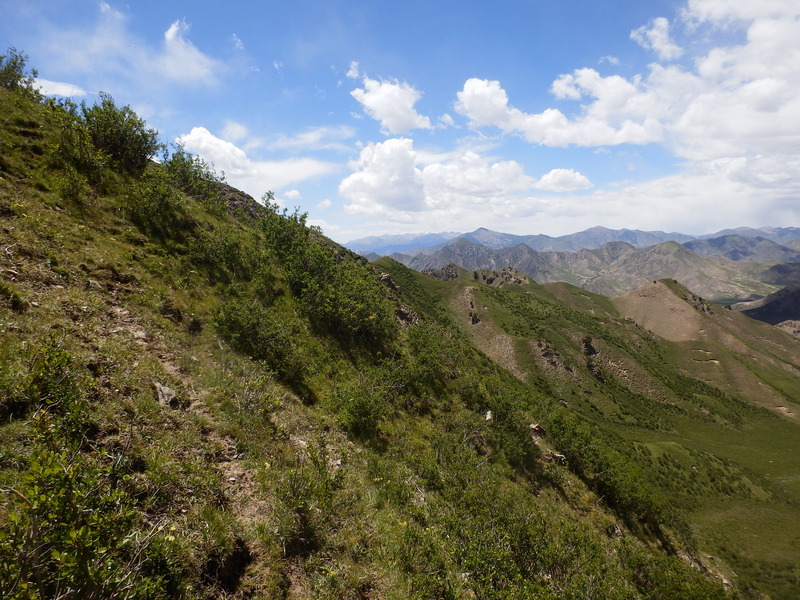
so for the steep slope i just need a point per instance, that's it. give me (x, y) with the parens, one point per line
(201, 397)
(725, 340)
(691, 408)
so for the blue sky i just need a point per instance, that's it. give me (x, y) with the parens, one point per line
(525, 117)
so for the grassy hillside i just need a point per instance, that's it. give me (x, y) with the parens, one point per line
(201, 397)
(679, 385)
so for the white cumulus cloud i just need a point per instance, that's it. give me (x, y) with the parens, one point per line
(656, 38)
(613, 118)
(385, 179)
(253, 176)
(391, 103)
(58, 88)
(393, 180)
(736, 99)
(563, 180)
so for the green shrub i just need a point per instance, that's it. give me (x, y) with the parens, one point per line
(14, 75)
(72, 184)
(256, 330)
(308, 494)
(659, 576)
(435, 356)
(70, 534)
(121, 134)
(75, 152)
(359, 408)
(220, 255)
(341, 296)
(194, 177)
(613, 476)
(48, 383)
(157, 208)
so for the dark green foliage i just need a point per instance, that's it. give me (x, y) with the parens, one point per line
(263, 334)
(121, 134)
(157, 208)
(341, 295)
(616, 478)
(49, 383)
(308, 497)
(658, 576)
(194, 177)
(81, 161)
(434, 356)
(220, 255)
(361, 406)
(71, 534)
(70, 531)
(14, 74)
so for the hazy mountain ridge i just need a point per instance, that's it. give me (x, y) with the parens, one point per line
(737, 247)
(591, 238)
(388, 244)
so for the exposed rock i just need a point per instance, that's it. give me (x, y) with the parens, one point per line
(407, 317)
(238, 202)
(505, 276)
(387, 279)
(166, 396)
(447, 273)
(792, 327)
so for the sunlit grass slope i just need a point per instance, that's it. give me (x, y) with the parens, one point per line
(202, 397)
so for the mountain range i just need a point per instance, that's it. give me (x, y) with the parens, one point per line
(729, 267)
(617, 268)
(594, 237)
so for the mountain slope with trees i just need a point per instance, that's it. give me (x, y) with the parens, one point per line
(203, 397)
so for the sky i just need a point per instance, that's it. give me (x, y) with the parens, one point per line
(522, 116)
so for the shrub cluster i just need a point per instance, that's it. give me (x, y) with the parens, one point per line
(341, 295)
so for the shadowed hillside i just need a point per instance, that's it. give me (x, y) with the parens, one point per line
(783, 305)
